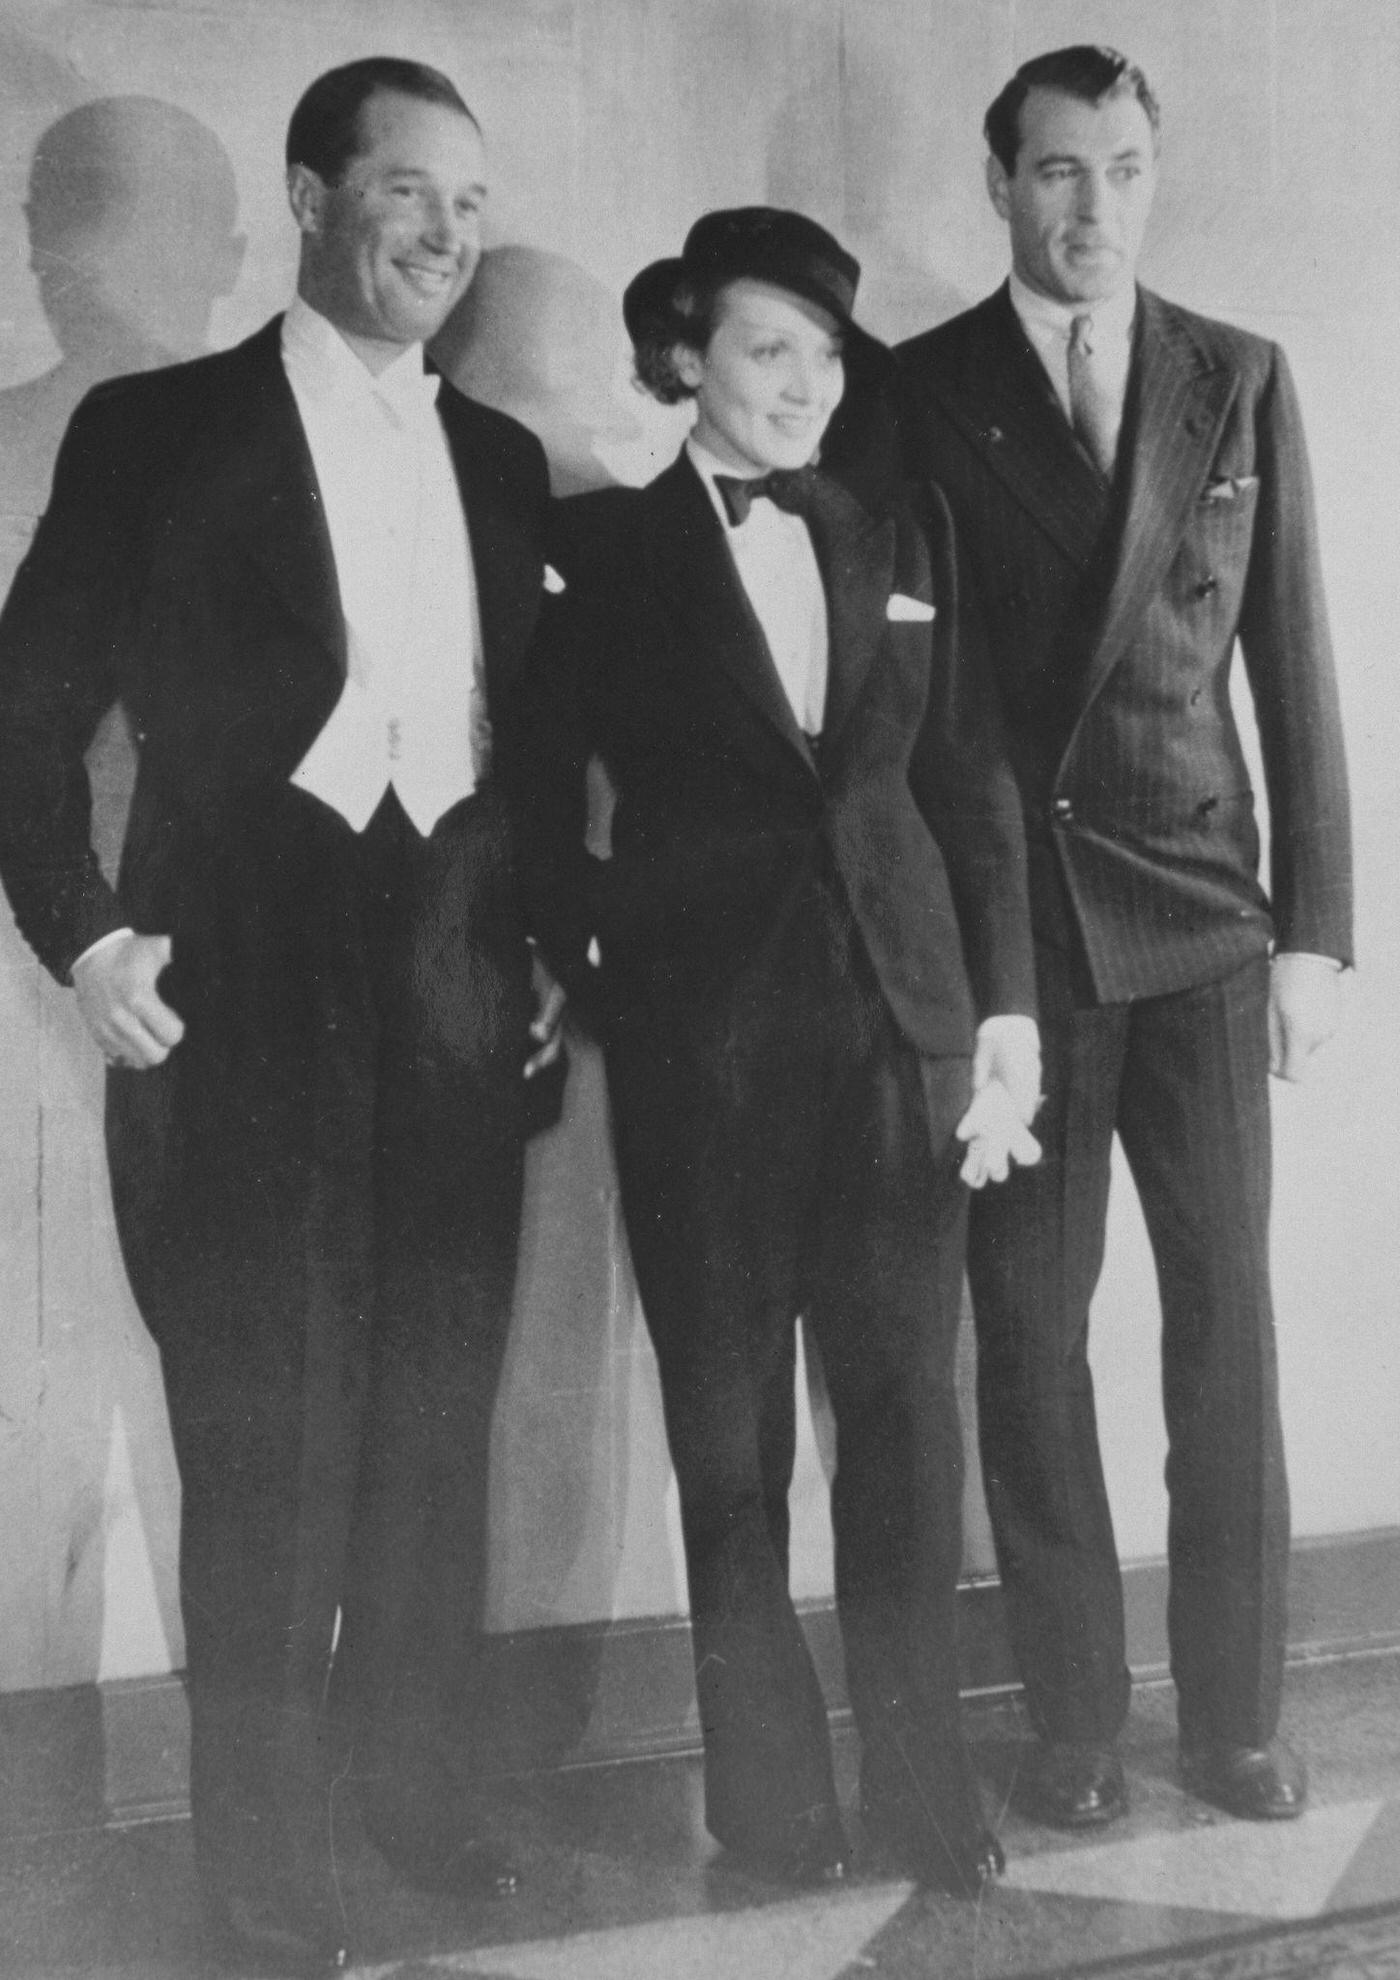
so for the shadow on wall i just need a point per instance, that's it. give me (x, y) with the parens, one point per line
(540, 338)
(130, 211)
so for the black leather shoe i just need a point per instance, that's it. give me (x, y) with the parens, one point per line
(960, 1857)
(812, 1869)
(964, 1869)
(1076, 1785)
(1262, 1783)
(811, 1855)
(466, 1866)
(267, 1934)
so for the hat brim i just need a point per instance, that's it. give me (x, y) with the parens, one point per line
(648, 304)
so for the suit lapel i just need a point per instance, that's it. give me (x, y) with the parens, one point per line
(505, 560)
(697, 585)
(856, 556)
(267, 484)
(1006, 407)
(1177, 405)
(261, 474)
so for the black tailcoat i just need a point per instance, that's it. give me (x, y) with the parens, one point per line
(317, 1194)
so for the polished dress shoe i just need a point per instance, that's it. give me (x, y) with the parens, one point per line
(958, 1863)
(444, 1857)
(810, 1854)
(1262, 1783)
(1076, 1785)
(269, 1933)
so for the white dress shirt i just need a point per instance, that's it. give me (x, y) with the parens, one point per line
(412, 711)
(778, 569)
(1047, 324)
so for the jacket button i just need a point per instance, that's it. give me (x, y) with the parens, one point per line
(1209, 583)
(1062, 811)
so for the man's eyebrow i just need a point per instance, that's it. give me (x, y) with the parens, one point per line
(1133, 150)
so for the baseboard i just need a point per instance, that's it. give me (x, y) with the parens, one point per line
(589, 1693)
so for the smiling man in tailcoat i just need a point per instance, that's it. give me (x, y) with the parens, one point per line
(308, 568)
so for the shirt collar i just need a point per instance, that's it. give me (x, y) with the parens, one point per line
(1112, 318)
(325, 367)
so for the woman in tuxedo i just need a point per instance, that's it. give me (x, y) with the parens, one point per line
(805, 954)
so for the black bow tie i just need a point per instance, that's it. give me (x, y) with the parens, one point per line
(793, 489)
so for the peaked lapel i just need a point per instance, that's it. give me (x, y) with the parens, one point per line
(506, 562)
(1177, 402)
(1001, 399)
(856, 555)
(258, 479)
(696, 583)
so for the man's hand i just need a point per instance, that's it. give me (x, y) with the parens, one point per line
(1305, 1002)
(1008, 1049)
(116, 990)
(548, 1026)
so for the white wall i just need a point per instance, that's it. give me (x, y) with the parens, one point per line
(612, 123)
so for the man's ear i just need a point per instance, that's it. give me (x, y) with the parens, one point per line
(306, 195)
(998, 185)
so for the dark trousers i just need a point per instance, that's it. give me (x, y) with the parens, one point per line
(783, 1151)
(318, 1198)
(1182, 1079)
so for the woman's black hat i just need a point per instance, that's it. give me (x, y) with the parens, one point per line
(757, 243)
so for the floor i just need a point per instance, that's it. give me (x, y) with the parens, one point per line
(622, 1883)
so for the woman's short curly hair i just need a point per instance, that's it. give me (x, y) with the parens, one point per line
(686, 316)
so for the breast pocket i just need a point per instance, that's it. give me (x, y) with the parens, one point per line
(1228, 499)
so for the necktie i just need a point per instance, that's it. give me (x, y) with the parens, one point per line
(1093, 411)
(793, 489)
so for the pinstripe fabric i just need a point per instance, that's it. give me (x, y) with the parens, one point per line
(1182, 1079)
(1113, 638)
(1112, 619)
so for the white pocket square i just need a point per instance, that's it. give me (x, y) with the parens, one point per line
(903, 607)
(1229, 487)
(552, 580)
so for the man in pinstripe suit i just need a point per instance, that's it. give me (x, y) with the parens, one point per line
(1131, 492)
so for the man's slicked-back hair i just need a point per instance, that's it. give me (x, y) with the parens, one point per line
(1086, 70)
(324, 134)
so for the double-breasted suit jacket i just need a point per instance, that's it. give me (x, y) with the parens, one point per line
(1113, 613)
(794, 939)
(1112, 621)
(314, 1204)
